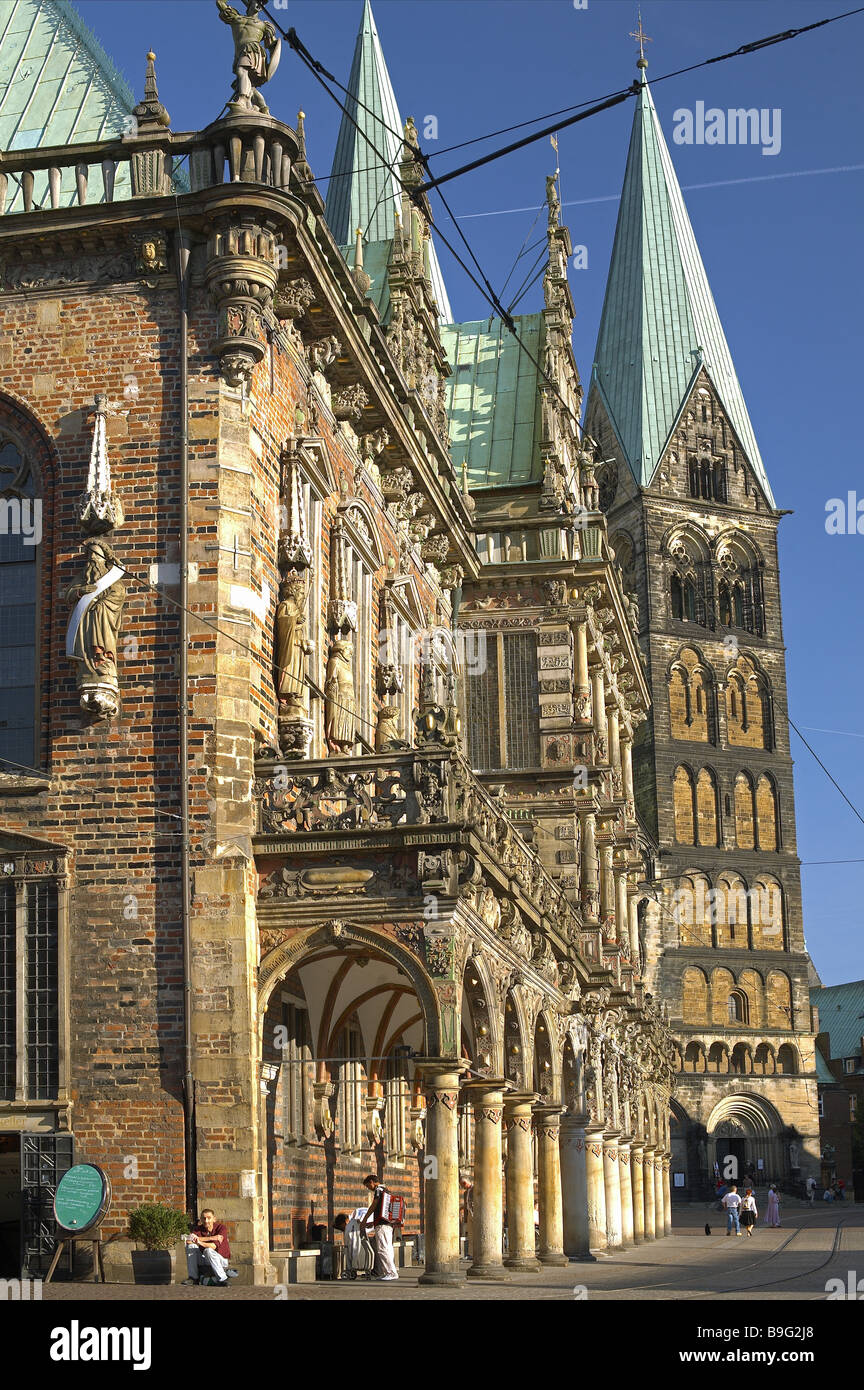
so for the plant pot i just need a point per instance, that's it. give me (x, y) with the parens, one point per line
(153, 1266)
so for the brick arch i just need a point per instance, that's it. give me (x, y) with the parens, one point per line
(767, 819)
(768, 913)
(778, 1000)
(480, 1011)
(694, 995)
(707, 792)
(683, 804)
(745, 810)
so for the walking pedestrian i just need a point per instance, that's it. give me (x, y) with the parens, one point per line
(748, 1211)
(732, 1203)
(772, 1210)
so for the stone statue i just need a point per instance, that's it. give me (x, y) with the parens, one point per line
(339, 696)
(256, 54)
(95, 624)
(553, 202)
(290, 646)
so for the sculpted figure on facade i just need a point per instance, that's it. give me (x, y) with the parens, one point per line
(256, 54)
(94, 629)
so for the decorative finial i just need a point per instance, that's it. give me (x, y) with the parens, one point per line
(642, 38)
(150, 114)
(362, 280)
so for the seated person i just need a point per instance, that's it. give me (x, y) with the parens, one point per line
(208, 1252)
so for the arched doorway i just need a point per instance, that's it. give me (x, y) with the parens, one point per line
(344, 1014)
(744, 1140)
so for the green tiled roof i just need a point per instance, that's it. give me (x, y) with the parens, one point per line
(659, 319)
(824, 1074)
(362, 192)
(841, 1016)
(57, 85)
(493, 402)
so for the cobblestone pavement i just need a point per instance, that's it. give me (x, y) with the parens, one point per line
(793, 1262)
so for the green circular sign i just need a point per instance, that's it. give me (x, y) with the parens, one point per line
(82, 1198)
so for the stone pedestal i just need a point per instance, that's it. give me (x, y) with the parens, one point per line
(487, 1103)
(547, 1120)
(574, 1188)
(521, 1246)
(636, 1181)
(624, 1174)
(612, 1183)
(441, 1086)
(596, 1189)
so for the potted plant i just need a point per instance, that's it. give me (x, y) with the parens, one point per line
(158, 1228)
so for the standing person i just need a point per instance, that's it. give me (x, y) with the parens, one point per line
(772, 1211)
(732, 1203)
(841, 1183)
(208, 1252)
(811, 1189)
(748, 1211)
(385, 1268)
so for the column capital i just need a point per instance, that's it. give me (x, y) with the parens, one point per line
(518, 1108)
(441, 1073)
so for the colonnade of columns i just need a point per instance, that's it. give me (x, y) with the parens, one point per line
(597, 1189)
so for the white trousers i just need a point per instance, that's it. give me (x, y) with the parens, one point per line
(202, 1262)
(384, 1252)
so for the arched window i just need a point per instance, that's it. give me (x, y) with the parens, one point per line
(748, 719)
(20, 536)
(682, 793)
(766, 813)
(688, 698)
(677, 597)
(744, 821)
(738, 1006)
(718, 1058)
(706, 807)
(787, 1060)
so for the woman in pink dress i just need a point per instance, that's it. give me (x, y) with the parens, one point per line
(772, 1210)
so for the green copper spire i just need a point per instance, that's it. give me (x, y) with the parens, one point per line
(660, 323)
(363, 193)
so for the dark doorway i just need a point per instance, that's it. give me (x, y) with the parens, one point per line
(10, 1205)
(732, 1156)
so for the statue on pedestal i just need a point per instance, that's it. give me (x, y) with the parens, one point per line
(256, 54)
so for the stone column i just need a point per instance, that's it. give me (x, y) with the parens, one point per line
(607, 889)
(596, 1188)
(633, 920)
(614, 740)
(521, 1246)
(648, 1191)
(621, 923)
(627, 773)
(581, 687)
(588, 879)
(612, 1183)
(636, 1176)
(487, 1102)
(626, 1193)
(659, 1202)
(574, 1188)
(441, 1085)
(598, 708)
(547, 1122)
(667, 1196)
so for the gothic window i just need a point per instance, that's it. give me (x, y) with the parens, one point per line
(503, 704)
(19, 574)
(363, 558)
(706, 807)
(687, 580)
(682, 795)
(744, 812)
(766, 813)
(688, 698)
(740, 602)
(748, 709)
(29, 987)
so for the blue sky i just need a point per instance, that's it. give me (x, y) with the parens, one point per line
(782, 253)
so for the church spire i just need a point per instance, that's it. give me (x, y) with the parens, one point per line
(361, 192)
(660, 324)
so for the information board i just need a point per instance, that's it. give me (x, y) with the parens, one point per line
(82, 1198)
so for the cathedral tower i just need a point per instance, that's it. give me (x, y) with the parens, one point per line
(693, 522)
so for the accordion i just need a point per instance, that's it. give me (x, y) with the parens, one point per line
(392, 1209)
